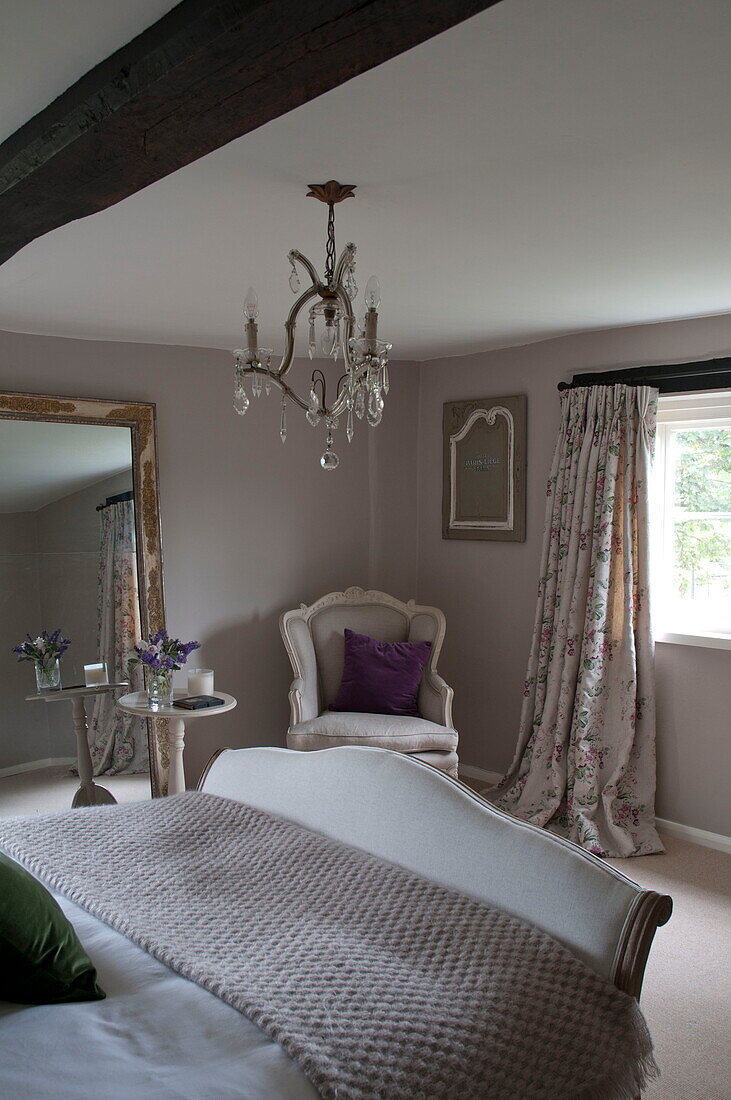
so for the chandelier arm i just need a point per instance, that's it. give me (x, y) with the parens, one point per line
(318, 376)
(291, 323)
(345, 257)
(347, 321)
(308, 266)
(274, 377)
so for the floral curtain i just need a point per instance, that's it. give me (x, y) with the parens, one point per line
(117, 741)
(585, 762)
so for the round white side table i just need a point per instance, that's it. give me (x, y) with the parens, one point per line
(89, 793)
(136, 703)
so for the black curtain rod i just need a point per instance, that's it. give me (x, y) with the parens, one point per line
(713, 374)
(115, 500)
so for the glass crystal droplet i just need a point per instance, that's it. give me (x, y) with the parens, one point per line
(241, 402)
(313, 409)
(375, 406)
(256, 385)
(360, 405)
(351, 287)
(375, 402)
(386, 383)
(327, 340)
(329, 460)
(267, 385)
(283, 422)
(349, 430)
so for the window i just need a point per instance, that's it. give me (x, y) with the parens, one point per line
(691, 561)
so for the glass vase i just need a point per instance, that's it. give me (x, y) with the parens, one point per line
(48, 676)
(160, 687)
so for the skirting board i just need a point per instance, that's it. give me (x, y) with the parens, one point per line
(488, 778)
(35, 765)
(717, 841)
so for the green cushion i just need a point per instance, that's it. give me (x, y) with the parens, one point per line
(41, 958)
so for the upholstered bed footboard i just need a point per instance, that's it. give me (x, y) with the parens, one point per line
(405, 811)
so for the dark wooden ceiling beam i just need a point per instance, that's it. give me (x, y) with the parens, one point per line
(207, 72)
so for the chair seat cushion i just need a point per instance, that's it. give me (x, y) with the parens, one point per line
(384, 731)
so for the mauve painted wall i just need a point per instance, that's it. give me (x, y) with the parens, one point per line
(488, 589)
(250, 527)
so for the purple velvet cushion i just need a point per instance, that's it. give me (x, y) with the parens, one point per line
(381, 677)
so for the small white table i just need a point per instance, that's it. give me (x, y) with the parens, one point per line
(89, 793)
(136, 703)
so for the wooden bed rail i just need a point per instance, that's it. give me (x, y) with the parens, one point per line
(649, 913)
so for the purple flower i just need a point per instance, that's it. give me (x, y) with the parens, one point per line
(160, 651)
(45, 648)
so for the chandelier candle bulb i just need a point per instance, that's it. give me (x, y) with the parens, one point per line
(251, 305)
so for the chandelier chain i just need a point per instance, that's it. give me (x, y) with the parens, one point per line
(330, 250)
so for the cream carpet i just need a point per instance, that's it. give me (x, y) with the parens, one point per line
(686, 995)
(48, 789)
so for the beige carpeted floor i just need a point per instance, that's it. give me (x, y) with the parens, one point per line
(686, 995)
(53, 788)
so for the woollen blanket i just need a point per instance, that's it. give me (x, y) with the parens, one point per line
(379, 983)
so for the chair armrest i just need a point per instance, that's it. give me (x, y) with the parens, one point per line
(435, 699)
(302, 701)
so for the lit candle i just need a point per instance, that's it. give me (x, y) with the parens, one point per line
(200, 681)
(96, 674)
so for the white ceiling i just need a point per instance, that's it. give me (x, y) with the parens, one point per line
(546, 167)
(42, 462)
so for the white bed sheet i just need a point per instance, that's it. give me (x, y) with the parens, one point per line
(156, 1035)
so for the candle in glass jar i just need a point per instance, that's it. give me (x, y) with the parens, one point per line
(200, 681)
(96, 674)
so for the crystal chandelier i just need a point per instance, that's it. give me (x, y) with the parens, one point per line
(361, 389)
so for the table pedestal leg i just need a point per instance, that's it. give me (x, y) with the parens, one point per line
(176, 743)
(89, 793)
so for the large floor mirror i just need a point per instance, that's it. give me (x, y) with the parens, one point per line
(80, 552)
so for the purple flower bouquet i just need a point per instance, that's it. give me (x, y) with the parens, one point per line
(161, 655)
(46, 652)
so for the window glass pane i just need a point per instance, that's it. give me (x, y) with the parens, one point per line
(698, 504)
(702, 565)
(703, 470)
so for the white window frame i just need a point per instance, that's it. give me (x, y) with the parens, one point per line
(678, 411)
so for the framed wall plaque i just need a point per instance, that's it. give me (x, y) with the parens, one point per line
(483, 494)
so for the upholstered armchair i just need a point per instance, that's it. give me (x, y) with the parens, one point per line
(314, 639)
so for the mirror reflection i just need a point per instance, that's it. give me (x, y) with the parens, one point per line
(67, 562)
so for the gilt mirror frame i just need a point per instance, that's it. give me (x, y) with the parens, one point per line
(140, 418)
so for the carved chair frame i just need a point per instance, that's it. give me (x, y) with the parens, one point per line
(355, 596)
